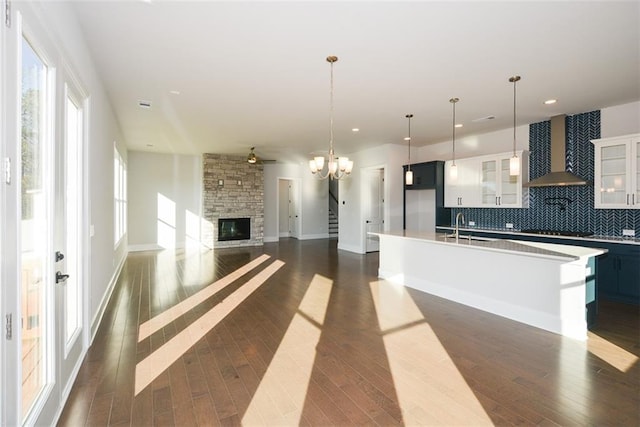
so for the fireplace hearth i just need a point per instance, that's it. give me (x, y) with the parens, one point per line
(234, 229)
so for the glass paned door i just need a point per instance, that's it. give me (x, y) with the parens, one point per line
(73, 219)
(35, 225)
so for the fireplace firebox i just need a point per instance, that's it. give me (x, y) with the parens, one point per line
(234, 229)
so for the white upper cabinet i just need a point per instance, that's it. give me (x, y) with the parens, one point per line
(485, 182)
(617, 172)
(463, 190)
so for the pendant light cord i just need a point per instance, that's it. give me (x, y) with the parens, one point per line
(514, 117)
(514, 79)
(409, 116)
(331, 111)
(453, 127)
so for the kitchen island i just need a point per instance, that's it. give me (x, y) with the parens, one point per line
(540, 284)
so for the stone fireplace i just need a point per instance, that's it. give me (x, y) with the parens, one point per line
(233, 201)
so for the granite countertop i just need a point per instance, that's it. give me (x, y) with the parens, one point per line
(550, 251)
(593, 238)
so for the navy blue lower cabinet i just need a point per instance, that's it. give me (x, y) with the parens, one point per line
(623, 276)
(607, 276)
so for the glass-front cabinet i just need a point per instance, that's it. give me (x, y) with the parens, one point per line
(617, 172)
(498, 187)
(485, 182)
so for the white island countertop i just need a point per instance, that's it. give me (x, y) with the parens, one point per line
(550, 251)
(541, 284)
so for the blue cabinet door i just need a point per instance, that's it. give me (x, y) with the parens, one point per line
(629, 276)
(607, 273)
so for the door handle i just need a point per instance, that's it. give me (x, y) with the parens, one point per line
(61, 277)
(59, 256)
(368, 221)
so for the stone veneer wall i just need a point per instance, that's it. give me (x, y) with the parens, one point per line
(232, 188)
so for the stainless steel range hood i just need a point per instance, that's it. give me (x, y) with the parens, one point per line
(558, 176)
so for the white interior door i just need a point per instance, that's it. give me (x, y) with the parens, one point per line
(294, 208)
(373, 192)
(284, 215)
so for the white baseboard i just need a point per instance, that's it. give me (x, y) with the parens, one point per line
(95, 322)
(270, 239)
(350, 248)
(145, 247)
(314, 236)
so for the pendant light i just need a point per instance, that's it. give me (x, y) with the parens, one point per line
(337, 167)
(514, 162)
(453, 170)
(408, 177)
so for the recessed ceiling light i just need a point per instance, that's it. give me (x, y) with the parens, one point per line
(406, 138)
(459, 125)
(174, 92)
(550, 101)
(355, 130)
(144, 104)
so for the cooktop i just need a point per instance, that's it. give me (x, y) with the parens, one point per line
(558, 232)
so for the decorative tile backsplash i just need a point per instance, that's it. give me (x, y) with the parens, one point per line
(579, 214)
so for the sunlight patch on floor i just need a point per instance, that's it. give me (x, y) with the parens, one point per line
(423, 373)
(280, 397)
(160, 321)
(158, 361)
(614, 355)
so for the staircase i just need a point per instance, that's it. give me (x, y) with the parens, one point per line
(333, 225)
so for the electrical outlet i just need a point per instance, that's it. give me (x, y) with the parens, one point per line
(472, 223)
(509, 225)
(629, 233)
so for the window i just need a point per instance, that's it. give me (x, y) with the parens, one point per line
(120, 195)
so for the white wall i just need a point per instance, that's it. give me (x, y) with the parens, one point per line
(104, 130)
(620, 120)
(313, 201)
(165, 199)
(476, 145)
(391, 157)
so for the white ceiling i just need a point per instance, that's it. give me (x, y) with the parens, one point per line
(254, 73)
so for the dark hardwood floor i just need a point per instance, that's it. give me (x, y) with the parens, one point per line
(319, 340)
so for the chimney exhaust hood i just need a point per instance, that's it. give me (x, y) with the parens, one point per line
(559, 176)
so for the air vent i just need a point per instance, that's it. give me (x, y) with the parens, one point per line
(144, 104)
(483, 119)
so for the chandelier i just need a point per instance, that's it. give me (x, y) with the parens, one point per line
(337, 167)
